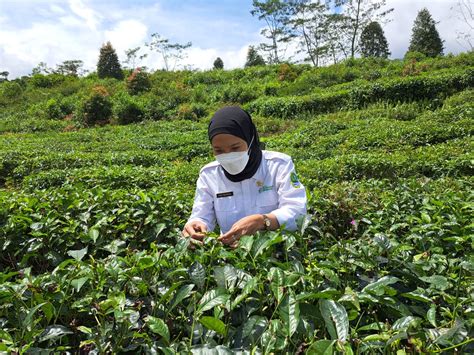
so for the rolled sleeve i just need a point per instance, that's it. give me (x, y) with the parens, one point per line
(203, 207)
(291, 198)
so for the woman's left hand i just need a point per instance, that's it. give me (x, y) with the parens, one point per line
(245, 226)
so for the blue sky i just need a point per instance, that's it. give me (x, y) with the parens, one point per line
(52, 31)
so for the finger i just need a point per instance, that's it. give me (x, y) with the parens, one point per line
(197, 236)
(188, 230)
(234, 244)
(228, 235)
(231, 239)
(202, 227)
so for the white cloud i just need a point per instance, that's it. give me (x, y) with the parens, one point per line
(81, 10)
(57, 9)
(126, 34)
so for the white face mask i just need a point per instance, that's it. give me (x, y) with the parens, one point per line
(235, 162)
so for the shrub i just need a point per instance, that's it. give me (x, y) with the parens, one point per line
(413, 55)
(271, 90)
(239, 93)
(11, 90)
(97, 108)
(54, 109)
(286, 72)
(138, 82)
(127, 110)
(156, 109)
(191, 111)
(46, 81)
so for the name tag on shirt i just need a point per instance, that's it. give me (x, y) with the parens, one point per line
(225, 194)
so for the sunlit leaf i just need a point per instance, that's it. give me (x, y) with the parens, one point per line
(158, 326)
(289, 312)
(213, 298)
(335, 318)
(197, 274)
(78, 283)
(214, 324)
(182, 293)
(77, 254)
(322, 347)
(54, 332)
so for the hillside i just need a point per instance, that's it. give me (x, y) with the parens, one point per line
(90, 216)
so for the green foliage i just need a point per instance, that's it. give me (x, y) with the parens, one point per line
(253, 58)
(373, 42)
(108, 65)
(218, 63)
(127, 109)
(46, 81)
(395, 90)
(96, 108)
(11, 91)
(91, 255)
(425, 37)
(138, 82)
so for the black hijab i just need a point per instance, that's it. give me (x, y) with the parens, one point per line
(234, 120)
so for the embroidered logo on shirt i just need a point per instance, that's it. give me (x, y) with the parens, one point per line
(265, 188)
(294, 180)
(225, 194)
(259, 183)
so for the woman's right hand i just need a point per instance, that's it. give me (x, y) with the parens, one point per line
(196, 230)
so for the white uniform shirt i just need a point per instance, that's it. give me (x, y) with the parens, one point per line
(274, 188)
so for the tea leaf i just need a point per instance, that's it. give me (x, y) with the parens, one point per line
(158, 326)
(197, 274)
(322, 347)
(182, 293)
(214, 324)
(54, 332)
(78, 283)
(289, 312)
(335, 318)
(77, 254)
(213, 298)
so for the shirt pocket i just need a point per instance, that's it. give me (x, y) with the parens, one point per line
(267, 201)
(225, 204)
(226, 212)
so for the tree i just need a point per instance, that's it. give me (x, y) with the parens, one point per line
(253, 58)
(465, 13)
(425, 37)
(41, 68)
(308, 22)
(218, 63)
(373, 42)
(108, 65)
(275, 14)
(70, 67)
(132, 55)
(169, 51)
(4, 76)
(358, 14)
(335, 37)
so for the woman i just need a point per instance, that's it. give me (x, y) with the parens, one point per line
(245, 189)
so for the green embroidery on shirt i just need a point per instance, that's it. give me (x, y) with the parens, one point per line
(294, 180)
(265, 188)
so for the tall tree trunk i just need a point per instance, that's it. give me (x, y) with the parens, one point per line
(356, 28)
